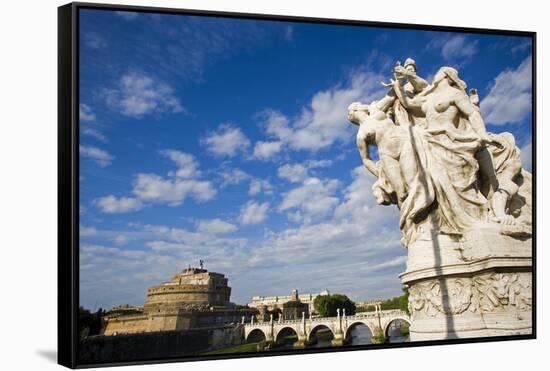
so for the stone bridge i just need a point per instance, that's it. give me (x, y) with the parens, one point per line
(378, 322)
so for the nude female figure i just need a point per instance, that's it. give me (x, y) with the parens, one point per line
(456, 139)
(443, 101)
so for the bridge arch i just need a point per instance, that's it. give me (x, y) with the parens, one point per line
(254, 334)
(317, 327)
(393, 319)
(285, 331)
(354, 324)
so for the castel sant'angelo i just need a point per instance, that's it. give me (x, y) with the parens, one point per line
(193, 298)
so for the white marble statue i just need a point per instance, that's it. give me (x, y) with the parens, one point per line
(463, 197)
(447, 158)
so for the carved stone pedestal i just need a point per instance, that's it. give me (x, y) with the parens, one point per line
(474, 285)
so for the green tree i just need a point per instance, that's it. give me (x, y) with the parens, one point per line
(276, 313)
(326, 305)
(398, 302)
(365, 309)
(293, 304)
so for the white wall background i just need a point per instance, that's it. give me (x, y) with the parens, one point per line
(28, 186)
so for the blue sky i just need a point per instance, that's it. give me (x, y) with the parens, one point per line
(227, 140)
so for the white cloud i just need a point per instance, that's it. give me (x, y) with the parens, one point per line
(359, 201)
(454, 47)
(319, 244)
(258, 186)
(99, 156)
(206, 243)
(255, 187)
(215, 226)
(527, 156)
(127, 15)
(312, 200)
(266, 150)
(94, 40)
(522, 45)
(227, 140)
(86, 113)
(94, 133)
(121, 239)
(187, 165)
(180, 184)
(509, 100)
(276, 124)
(164, 246)
(126, 272)
(233, 176)
(253, 212)
(312, 164)
(99, 249)
(87, 231)
(137, 95)
(154, 188)
(458, 46)
(294, 173)
(324, 121)
(113, 205)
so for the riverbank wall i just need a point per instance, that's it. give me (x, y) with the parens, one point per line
(158, 345)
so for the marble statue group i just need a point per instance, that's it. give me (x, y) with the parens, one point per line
(464, 201)
(437, 162)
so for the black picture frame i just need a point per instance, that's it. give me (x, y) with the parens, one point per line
(68, 176)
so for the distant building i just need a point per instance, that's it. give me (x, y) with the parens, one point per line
(194, 298)
(276, 302)
(295, 308)
(192, 288)
(373, 304)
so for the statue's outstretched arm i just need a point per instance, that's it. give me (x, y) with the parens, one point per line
(385, 103)
(417, 82)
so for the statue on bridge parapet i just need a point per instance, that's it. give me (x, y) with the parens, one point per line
(463, 198)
